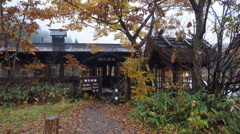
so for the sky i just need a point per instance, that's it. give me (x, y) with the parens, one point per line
(190, 17)
(86, 35)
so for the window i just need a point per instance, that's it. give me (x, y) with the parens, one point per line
(17, 72)
(30, 73)
(100, 71)
(3, 72)
(54, 70)
(100, 59)
(187, 78)
(158, 77)
(112, 72)
(39, 72)
(89, 72)
(58, 36)
(73, 71)
(68, 71)
(108, 70)
(106, 59)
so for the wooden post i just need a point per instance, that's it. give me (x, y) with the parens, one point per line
(127, 87)
(116, 97)
(51, 125)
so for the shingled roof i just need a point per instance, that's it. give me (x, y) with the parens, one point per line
(165, 47)
(75, 47)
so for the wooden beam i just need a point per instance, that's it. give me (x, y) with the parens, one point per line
(188, 43)
(168, 43)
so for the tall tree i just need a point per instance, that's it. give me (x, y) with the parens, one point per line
(223, 72)
(201, 10)
(17, 20)
(133, 21)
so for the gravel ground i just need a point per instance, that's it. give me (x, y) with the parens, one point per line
(96, 117)
(96, 122)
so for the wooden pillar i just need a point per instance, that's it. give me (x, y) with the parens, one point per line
(117, 70)
(47, 72)
(174, 77)
(94, 71)
(61, 70)
(163, 76)
(51, 125)
(174, 71)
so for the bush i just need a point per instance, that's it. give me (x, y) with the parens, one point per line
(39, 93)
(182, 112)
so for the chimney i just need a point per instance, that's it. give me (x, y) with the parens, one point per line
(58, 36)
(160, 32)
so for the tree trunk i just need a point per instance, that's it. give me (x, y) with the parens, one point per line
(201, 15)
(51, 125)
(197, 64)
(7, 55)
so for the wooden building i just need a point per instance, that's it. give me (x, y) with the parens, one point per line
(104, 64)
(170, 60)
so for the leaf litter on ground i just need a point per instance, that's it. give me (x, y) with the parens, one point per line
(88, 116)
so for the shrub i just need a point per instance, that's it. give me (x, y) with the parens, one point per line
(45, 92)
(39, 93)
(12, 96)
(182, 112)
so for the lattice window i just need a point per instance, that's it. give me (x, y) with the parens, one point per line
(100, 71)
(187, 78)
(54, 70)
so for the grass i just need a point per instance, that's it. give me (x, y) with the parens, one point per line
(30, 118)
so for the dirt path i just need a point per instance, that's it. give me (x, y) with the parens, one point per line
(98, 122)
(101, 118)
(83, 117)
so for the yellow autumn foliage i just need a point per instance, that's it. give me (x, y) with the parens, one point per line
(36, 64)
(94, 48)
(139, 78)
